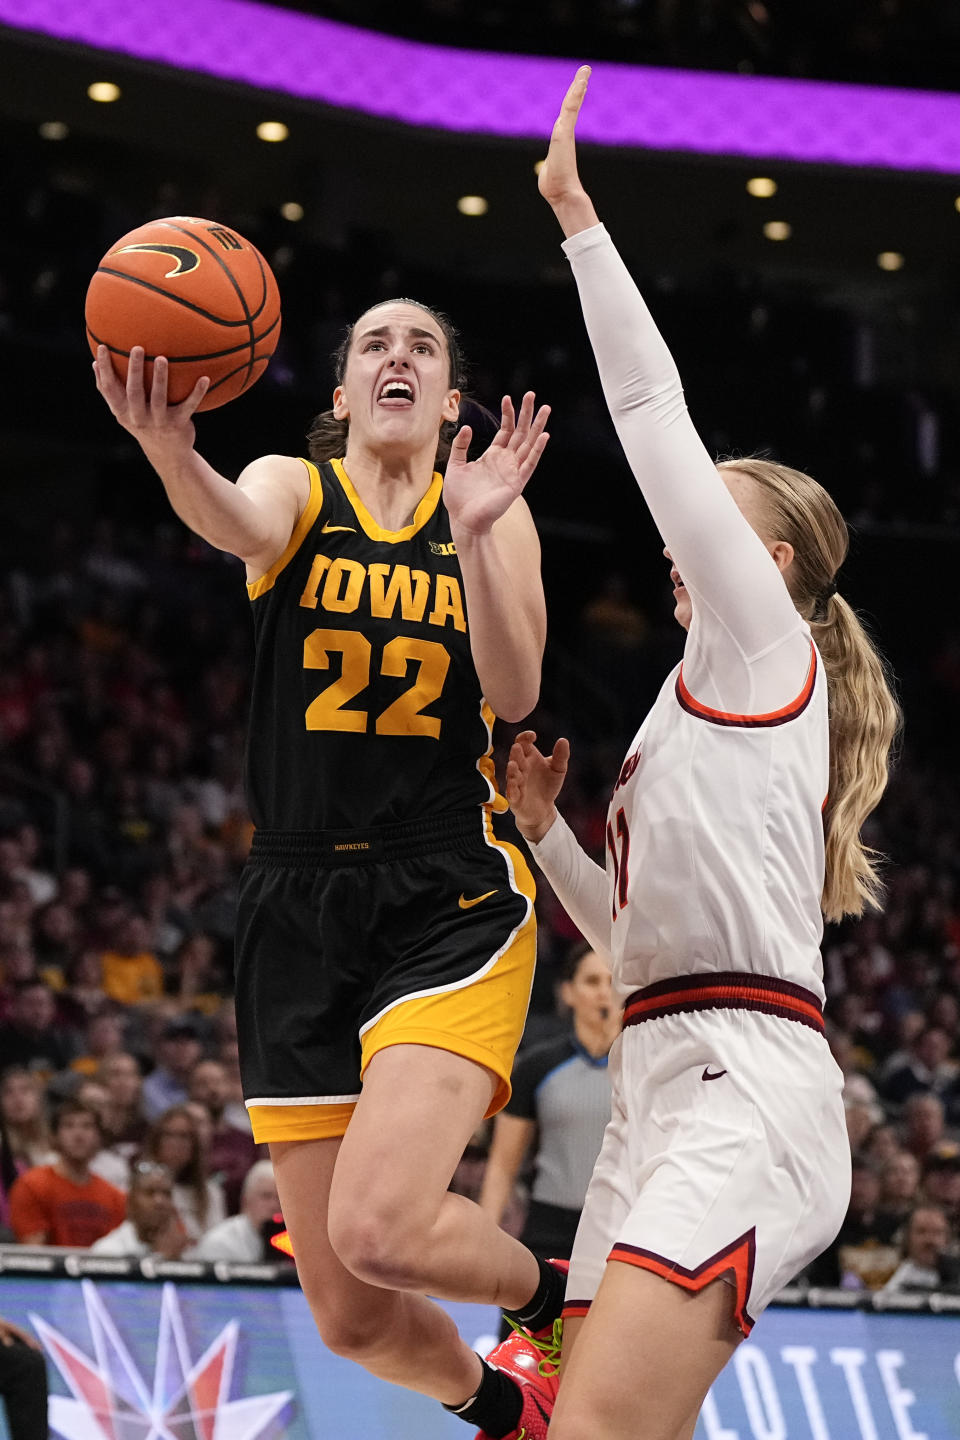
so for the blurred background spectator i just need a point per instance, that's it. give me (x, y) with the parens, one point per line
(178, 1050)
(926, 1264)
(64, 1203)
(240, 1238)
(24, 1116)
(175, 1142)
(152, 1226)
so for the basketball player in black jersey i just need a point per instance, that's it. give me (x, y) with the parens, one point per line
(385, 939)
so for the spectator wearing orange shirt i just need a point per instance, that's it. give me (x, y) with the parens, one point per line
(132, 974)
(65, 1203)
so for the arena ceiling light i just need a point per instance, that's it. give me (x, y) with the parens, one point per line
(778, 230)
(340, 65)
(292, 210)
(53, 130)
(762, 187)
(890, 260)
(272, 131)
(472, 205)
(103, 91)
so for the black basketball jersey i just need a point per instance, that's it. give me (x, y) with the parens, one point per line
(366, 708)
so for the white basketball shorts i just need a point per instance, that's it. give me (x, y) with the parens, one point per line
(727, 1153)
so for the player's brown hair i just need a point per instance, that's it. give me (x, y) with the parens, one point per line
(864, 714)
(327, 436)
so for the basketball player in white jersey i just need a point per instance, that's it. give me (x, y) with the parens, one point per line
(733, 829)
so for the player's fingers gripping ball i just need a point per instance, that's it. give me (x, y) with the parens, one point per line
(194, 291)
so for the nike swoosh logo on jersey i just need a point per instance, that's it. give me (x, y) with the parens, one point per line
(466, 904)
(328, 529)
(715, 1076)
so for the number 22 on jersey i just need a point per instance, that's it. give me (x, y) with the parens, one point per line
(331, 711)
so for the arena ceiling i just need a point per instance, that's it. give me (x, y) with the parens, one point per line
(676, 214)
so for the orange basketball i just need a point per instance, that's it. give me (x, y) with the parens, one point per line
(191, 290)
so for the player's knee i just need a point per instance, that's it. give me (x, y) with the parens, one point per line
(376, 1251)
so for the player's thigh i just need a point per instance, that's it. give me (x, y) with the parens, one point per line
(643, 1359)
(419, 1107)
(304, 1171)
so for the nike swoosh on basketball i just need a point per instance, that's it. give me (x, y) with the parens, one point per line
(328, 529)
(466, 904)
(708, 1076)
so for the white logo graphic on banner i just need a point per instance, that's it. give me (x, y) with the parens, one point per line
(189, 1399)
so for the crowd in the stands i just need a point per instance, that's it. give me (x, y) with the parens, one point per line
(122, 831)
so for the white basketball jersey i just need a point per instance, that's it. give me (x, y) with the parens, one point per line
(715, 842)
(715, 845)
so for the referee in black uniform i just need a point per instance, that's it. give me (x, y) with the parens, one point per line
(558, 1110)
(385, 938)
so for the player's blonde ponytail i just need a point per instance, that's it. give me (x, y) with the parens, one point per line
(864, 715)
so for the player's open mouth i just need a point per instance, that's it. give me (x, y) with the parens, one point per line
(394, 393)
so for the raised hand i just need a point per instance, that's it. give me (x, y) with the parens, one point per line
(533, 783)
(478, 492)
(559, 179)
(150, 420)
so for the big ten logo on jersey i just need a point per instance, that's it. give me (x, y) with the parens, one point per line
(342, 586)
(628, 768)
(442, 547)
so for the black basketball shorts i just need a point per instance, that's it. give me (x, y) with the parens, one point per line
(347, 942)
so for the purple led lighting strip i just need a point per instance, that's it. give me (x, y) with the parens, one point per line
(514, 95)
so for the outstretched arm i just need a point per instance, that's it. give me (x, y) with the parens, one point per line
(723, 562)
(253, 519)
(499, 556)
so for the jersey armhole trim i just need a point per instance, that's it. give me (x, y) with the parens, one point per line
(750, 722)
(300, 531)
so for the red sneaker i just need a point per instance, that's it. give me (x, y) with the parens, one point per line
(534, 1363)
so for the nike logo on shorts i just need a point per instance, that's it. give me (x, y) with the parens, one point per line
(716, 1074)
(328, 529)
(466, 904)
